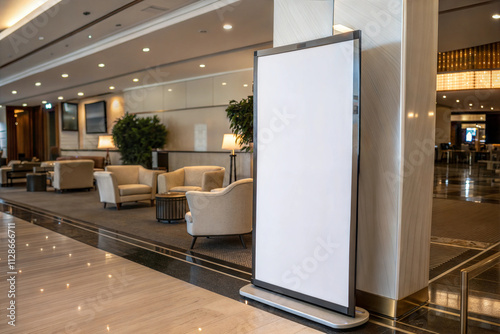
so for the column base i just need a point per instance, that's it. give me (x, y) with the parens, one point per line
(391, 307)
(305, 310)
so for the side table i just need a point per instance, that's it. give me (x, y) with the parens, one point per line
(171, 206)
(36, 182)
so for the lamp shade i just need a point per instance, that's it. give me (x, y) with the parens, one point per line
(106, 142)
(231, 142)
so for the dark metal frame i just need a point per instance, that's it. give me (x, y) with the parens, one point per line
(65, 125)
(104, 118)
(356, 37)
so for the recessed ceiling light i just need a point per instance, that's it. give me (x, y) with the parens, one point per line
(458, 101)
(202, 65)
(245, 85)
(470, 104)
(64, 75)
(111, 87)
(14, 92)
(224, 83)
(170, 89)
(80, 94)
(44, 102)
(101, 65)
(482, 106)
(60, 98)
(146, 49)
(25, 104)
(135, 80)
(90, 36)
(41, 38)
(228, 26)
(38, 83)
(496, 16)
(444, 96)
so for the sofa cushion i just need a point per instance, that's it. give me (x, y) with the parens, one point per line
(134, 189)
(183, 189)
(98, 161)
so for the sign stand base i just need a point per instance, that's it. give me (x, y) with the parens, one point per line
(305, 310)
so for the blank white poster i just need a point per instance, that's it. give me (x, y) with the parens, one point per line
(304, 170)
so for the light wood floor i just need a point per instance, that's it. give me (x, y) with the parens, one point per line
(86, 290)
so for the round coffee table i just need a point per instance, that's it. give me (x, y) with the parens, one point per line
(171, 207)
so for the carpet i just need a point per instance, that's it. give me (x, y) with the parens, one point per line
(137, 219)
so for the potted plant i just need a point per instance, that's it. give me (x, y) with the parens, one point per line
(136, 137)
(240, 116)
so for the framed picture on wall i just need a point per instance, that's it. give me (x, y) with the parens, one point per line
(95, 117)
(69, 116)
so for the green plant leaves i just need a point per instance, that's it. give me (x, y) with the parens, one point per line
(240, 116)
(136, 137)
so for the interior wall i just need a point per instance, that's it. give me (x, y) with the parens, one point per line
(192, 110)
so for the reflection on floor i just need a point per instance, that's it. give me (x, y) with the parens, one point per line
(171, 305)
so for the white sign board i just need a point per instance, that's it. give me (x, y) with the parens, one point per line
(306, 170)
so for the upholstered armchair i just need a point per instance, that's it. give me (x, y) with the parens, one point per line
(77, 174)
(221, 213)
(199, 178)
(119, 184)
(5, 169)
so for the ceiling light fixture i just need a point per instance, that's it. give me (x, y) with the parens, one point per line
(470, 104)
(135, 80)
(101, 65)
(228, 26)
(41, 38)
(224, 83)
(482, 107)
(44, 102)
(444, 96)
(111, 87)
(202, 65)
(245, 85)
(14, 92)
(38, 83)
(146, 49)
(496, 16)
(60, 98)
(170, 89)
(64, 75)
(458, 101)
(80, 94)
(25, 104)
(90, 36)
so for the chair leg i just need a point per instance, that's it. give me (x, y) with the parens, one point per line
(242, 241)
(192, 242)
(152, 202)
(118, 205)
(105, 205)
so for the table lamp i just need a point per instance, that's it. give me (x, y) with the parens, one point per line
(231, 142)
(107, 143)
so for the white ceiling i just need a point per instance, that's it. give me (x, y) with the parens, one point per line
(180, 33)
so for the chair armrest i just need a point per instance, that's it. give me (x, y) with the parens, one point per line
(212, 180)
(167, 181)
(108, 187)
(149, 178)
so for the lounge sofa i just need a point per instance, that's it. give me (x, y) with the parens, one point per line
(130, 183)
(193, 178)
(78, 174)
(98, 161)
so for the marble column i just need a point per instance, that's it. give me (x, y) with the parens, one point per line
(398, 88)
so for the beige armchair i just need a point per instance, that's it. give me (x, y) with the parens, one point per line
(73, 175)
(7, 168)
(119, 184)
(221, 213)
(199, 178)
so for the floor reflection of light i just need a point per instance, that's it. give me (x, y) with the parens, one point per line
(467, 188)
(481, 305)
